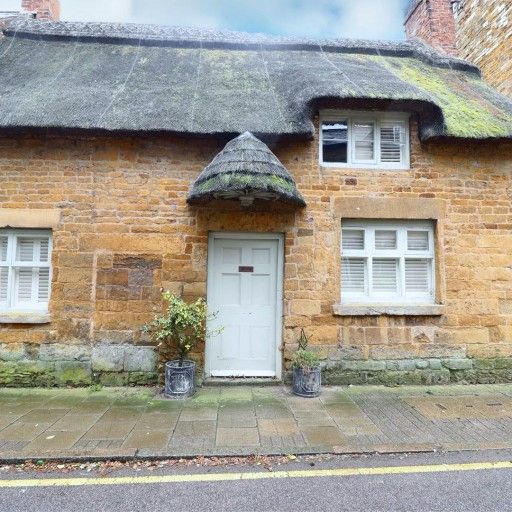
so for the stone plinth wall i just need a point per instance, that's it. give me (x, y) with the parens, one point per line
(484, 37)
(123, 231)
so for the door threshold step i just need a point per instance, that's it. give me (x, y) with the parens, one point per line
(239, 381)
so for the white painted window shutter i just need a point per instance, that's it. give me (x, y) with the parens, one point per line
(32, 283)
(25, 249)
(352, 274)
(363, 134)
(4, 282)
(385, 239)
(25, 284)
(25, 273)
(43, 291)
(387, 261)
(417, 275)
(3, 249)
(417, 240)
(385, 275)
(4, 270)
(352, 239)
(392, 141)
(44, 247)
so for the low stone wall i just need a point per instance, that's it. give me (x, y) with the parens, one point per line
(47, 365)
(420, 371)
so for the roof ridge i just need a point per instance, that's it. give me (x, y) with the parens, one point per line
(161, 35)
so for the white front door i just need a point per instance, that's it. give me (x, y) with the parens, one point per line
(244, 289)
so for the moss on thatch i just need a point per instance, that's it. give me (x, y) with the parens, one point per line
(465, 114)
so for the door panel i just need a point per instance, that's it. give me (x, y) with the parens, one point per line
(243, 290)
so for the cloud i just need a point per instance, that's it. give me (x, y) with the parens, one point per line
(371, 19)
(10, 5)
(378, 19)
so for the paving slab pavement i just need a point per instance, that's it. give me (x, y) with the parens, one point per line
(244, 420)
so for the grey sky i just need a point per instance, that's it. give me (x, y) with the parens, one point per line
(371, 19)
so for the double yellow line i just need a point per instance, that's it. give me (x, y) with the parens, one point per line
(259, 475)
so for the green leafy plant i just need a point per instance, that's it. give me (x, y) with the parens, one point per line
(304, 358)
(181, 327)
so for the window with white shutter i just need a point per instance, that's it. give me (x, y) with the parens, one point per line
(363, 134)
(25, 271)
(373, 140)
(392, 142)
(387, 261)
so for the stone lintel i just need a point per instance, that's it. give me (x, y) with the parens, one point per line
(389, 208)
(31, 218)
(388, 309)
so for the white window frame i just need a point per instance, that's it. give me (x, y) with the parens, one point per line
(378, 118)
(12, 265)
(401, 253)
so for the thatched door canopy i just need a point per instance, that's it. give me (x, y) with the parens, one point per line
(245, 169)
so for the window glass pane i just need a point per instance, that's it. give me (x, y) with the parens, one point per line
(352, 274)
(335, 141)
(3, 248)
(392, 140)
(417, 275)
(24, 284)
(4, 273)
(44, 285)
(385, 239)
(352, 239)
(385, 275)
(417, 240)
(363, 134)
(25, 249)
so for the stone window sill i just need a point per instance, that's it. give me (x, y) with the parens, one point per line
(388, 309)
(26, 317)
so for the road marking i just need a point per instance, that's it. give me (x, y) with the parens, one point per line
(260, 475)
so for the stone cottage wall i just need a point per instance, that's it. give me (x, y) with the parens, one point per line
(124, 231)
(484, 37)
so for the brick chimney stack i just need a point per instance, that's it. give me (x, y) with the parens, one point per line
(43, 9)
(433, 22)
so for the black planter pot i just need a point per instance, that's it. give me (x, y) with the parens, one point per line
(307, 384)
(179, 380)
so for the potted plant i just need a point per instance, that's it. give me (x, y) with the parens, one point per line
(178, 331)
(307, 374)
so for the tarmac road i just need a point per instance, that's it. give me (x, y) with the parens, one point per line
(479, 481)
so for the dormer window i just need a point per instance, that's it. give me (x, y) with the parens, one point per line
(368, 140)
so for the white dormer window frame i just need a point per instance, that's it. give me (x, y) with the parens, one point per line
(365, 139)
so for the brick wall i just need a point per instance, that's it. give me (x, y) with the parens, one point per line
(432, 21)
(484, 36)
(125, 231)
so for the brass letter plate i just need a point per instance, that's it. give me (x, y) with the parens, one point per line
(245, 269)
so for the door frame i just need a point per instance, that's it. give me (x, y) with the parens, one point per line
(240, 235)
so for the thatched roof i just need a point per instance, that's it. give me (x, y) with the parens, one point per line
(245, 169)
(145, 78)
